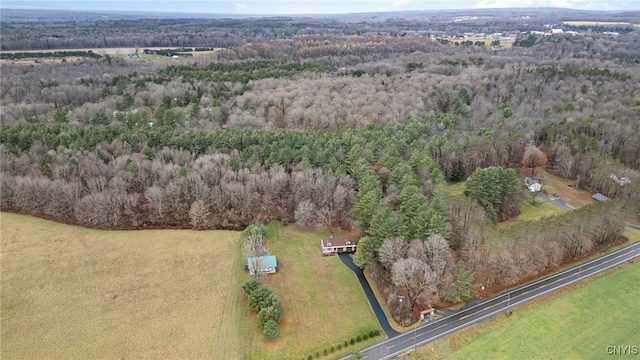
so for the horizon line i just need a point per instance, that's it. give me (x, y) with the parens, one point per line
(162, 11)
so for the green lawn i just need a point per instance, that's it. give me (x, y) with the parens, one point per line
(323, 300)
(530, 211)
(578, 322)
(456, 188)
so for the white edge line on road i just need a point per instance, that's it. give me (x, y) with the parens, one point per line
(627, 248)
(436, 337)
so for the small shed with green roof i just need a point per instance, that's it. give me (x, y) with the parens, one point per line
(266, 264)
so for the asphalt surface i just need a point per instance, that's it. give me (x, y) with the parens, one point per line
(377, 309)
(501, 304)
(557, 202)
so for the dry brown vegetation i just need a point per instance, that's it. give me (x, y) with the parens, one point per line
(72, 292)
(487, 42)
(102, 51)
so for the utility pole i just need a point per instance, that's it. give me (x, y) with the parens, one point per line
(579, 271)
(415, 332)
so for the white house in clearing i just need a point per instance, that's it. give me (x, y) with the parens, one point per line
(532, 185)
(333, 245)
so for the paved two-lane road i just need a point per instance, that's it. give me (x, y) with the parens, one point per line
(497, 305)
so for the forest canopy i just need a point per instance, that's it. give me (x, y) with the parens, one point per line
(332, 128)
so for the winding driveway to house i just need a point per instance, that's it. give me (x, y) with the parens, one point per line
(423, 334)
(377, 309)
(563, 204)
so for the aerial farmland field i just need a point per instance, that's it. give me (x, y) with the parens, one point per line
(72, 292)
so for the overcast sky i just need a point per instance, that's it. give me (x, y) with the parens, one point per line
(310, 6)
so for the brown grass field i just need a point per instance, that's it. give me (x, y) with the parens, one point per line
(116, 52)
(565, 189)
(71, 292)
(110, 51)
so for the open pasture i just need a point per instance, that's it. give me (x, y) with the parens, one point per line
(71, 292)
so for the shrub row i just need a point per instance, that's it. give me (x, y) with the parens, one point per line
(352, 341)
(268, 306)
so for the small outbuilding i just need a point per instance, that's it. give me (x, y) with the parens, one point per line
(600, 197)
(338, 245)
(266, 264)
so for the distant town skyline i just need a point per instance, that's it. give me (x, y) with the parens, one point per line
(290, 7)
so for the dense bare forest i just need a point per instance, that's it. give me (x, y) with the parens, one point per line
(313, 122)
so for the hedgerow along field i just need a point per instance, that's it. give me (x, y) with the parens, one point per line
(71, 292)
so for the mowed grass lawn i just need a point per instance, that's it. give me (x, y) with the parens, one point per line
(530, 211)
(323, 300)
(74, 293)
(579, 323)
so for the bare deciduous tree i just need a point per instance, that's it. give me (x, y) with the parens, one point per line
(253, 245)
(391, 250)
(305, 213)
(416, 279)
(199, 214)
(155, 196)
(253, 248)
(534, 157)
(564, 161)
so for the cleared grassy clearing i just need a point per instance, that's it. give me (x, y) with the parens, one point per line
(574, 323)
(456, 188)
(530, 211)
(632, 234)
(72, 292)
(323, 300)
